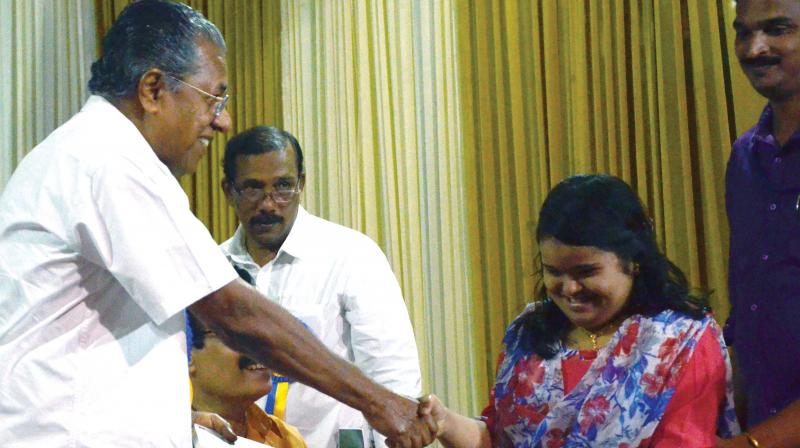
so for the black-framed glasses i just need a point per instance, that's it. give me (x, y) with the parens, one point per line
(222, 101)
(279, 194)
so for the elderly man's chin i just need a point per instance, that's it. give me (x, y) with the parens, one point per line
(189, 163)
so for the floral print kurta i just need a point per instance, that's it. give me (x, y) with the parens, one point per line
(620, 400)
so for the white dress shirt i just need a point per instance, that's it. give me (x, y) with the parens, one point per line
(99, 254)
(339, 283)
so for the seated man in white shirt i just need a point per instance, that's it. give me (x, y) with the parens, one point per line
(334, 279)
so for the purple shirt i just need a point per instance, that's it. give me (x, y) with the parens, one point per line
(762, 187)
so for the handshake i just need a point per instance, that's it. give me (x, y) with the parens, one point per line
(407, 423)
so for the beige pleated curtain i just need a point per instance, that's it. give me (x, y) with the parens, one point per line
(438, 126)
(46, 48)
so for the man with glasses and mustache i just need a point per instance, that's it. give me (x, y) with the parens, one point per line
(763, 204)
(100, 254)
(336, 280)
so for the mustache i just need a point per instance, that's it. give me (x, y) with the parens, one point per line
(761, 61)
(266, 219)
(245, 362)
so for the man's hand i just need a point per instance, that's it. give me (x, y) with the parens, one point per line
(215, 422)
(397, 418)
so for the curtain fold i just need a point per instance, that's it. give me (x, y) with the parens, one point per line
(47, 48)
(371, 91)
(649, 91)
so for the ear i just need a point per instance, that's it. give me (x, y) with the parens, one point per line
(151, 89)
(192, 368)
(227, 187)
(302, 181)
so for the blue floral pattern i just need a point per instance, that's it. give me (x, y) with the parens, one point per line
(620, 400)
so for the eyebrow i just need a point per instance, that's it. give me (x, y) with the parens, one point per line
(222, 89)
(252, 183)
(582, 266)
(785, 21)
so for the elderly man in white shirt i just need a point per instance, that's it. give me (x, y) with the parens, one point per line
(100, 254)
(336, 280)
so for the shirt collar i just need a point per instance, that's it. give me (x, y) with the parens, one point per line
(298, 242)
(262, 423)
(763, 131)
(137, 146)
(237, 252)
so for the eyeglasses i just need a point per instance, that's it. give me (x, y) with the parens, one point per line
(280, 194)
(221, 100)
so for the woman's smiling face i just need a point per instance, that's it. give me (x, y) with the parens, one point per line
(589, 285)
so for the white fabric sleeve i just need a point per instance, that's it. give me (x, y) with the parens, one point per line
(381, 334)
(141, 229)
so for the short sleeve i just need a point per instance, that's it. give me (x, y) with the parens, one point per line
(140, 228)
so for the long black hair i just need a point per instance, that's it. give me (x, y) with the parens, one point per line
(603, 211)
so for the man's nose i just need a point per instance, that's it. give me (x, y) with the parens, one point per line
(570, 287)
(223, 122)
(268, 203)
(758, 45)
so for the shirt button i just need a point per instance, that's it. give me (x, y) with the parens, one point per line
(765, 257)
(773, 411)
(778, 160)
(753, 307)
(772, 207)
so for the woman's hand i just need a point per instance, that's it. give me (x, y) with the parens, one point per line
(431, 407)
(454, 431)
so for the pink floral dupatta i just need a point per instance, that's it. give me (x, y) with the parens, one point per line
(620, 400)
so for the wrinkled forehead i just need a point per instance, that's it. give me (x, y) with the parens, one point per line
(267, 166)
(212, 70)
(753, 12)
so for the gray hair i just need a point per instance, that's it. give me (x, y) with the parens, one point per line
(150, 34)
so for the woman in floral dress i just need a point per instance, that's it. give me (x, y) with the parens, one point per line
(615, 353)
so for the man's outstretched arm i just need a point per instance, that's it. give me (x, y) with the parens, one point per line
(250, 323)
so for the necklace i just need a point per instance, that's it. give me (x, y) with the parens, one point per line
(593, 336)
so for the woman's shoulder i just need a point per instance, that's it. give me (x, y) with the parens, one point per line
(520, 333)
(677, 322)
(674, 316)
(523, 319)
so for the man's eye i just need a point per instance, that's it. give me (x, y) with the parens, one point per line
(551, 271)
(776, 30)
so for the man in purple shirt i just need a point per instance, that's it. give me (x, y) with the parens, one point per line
(763, 203)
